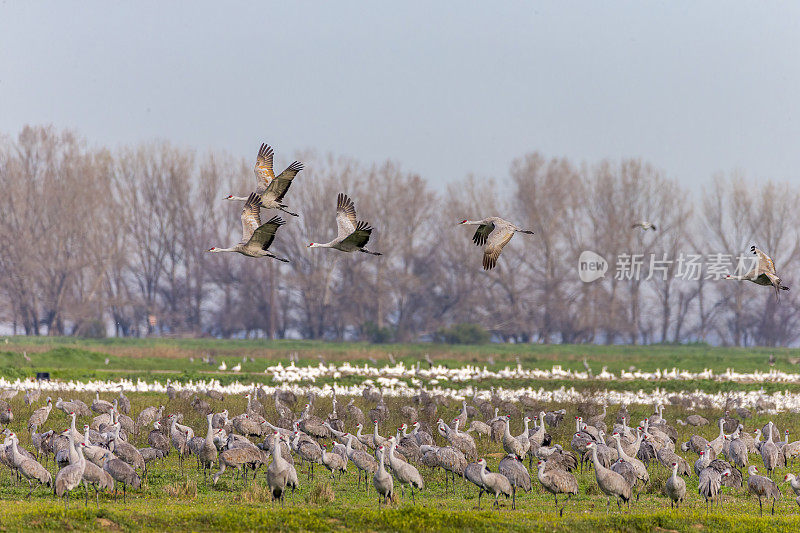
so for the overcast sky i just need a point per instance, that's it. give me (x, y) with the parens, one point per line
(446, 88)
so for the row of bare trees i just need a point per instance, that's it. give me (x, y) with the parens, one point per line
(96, 241)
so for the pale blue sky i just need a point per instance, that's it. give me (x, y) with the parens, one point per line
(446, 88)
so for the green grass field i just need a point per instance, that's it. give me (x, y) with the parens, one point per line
(183, 500)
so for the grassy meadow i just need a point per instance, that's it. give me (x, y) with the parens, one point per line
(177, 499)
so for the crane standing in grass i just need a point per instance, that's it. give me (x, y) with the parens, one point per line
(763, 488)
(557, 481)
(611, 483)
(382, 481)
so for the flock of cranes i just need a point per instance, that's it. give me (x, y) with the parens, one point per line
(352, 235)
(103, 454)
(493, 233)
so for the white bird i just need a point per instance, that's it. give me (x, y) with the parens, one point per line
(223, 366)
(645, 225)
(763, 273)
(351, 234)
(271, 189)
(493, 234)
(237, 368)
(256, 237)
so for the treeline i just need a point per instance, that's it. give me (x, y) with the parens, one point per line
(100, 240)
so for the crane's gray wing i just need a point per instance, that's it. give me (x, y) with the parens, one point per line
(359, 237)
(765, 262)
(251, 216)
(277, 188)
(482, 233)
(265, 233)
(345, 216)
(494, 245)
(263, 168)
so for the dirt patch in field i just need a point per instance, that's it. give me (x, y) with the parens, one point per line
(106, 524)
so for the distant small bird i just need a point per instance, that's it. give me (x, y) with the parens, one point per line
(223, 366)
(645, 225)
(493, 234)
(107, 361)
(352, 235)
(237, 368)
(764, 273)
(25, 356)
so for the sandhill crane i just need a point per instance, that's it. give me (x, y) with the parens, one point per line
(790, 450)
(377, 440)
(762, 487)
(481, 428)
(96, 476)
(148, 416)
(178, 439)
(308, 450)
(39, 416)
(448, 458)
(737, 453)
(352, 235)
(208, 453)
(239, 458)
(125, 451)
(644, 225)
(352, 412)
(611, 483)
(666, 456)
(459, 440)
(493, 234)
(675, 487)
(270, 188)
(763, 273)
(157, 439)
(6, 415)
(769, 453)
(123, 473)
(101, 406)
(696, 420)
(557, 481)
(381, 480)
(405, 473)
(554, 418)
(28, 467)
(70, 477)
(493, 483)
(123, 403)
(364, 462)
(795, 484)
(423, 437)
(638, 466)
(696, 443)
(511, 444)
(32, 396)
(462, 416)
(333, 462)
(277, 472)
(709, 484)
(256, 237)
